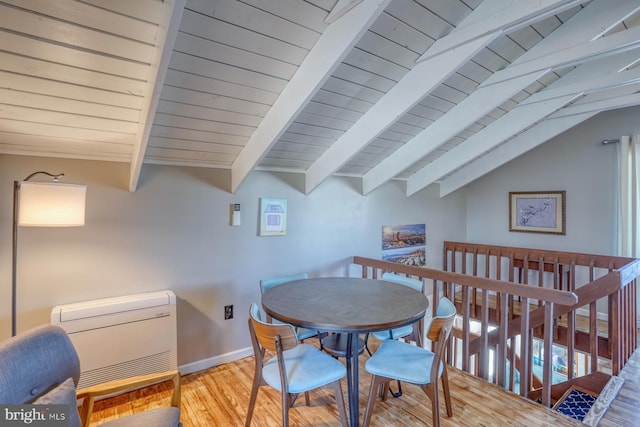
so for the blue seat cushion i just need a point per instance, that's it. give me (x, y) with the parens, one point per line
(402, 361)
(307, 368)
(394, 333)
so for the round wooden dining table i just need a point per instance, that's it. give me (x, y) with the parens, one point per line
(346, 305)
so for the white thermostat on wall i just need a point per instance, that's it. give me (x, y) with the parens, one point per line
(235, 214)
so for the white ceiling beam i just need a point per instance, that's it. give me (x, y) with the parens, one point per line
(605, 46)
(500, 130)
(586, 25)
(166, 37)
(475, 106)
(601, 74)
(536, 107)
(339, 9)
(402, 97)
(600, 105)
(582, 26)
(491, 15)
(423, 78)
(331, 48)
(519, 145)
(538, 134)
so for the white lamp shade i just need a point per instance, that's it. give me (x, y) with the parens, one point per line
(49, 204)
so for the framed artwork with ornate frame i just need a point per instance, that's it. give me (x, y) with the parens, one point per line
(537, 212)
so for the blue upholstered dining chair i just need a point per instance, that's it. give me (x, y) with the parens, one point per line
(289, 366)
(41, 366)
(397, 360)
(410, 331)
(403, 331)
(266, 284)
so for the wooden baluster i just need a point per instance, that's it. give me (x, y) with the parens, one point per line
(512, 312)
(593, 320)
(547, 369)
(501, 348)
(498, 277)
(571, 325)
(634, 314)
(626, 318)
(465, 329)
(474, 290)
(540, 276)
(540, 284)
(614, 329)
(525, 349)
(484, 336)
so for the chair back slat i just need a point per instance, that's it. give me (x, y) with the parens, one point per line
(266, 333)
(416, 284)
(443, 321)
(270, 283)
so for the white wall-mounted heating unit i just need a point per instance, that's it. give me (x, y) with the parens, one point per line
(121, 337)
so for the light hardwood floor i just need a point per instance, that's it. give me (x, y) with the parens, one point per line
(219, 397)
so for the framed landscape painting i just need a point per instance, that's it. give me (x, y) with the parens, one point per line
(404, 244)
(537, 212)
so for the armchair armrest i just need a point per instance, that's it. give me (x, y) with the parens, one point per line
(90, 393)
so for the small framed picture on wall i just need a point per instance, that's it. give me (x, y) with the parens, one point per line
(273, 217)
(537, 212)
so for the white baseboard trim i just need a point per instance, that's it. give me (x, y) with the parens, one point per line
(201, 365)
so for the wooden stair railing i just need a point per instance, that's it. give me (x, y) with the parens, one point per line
(615, 288)
(443, 284)
(610, 279)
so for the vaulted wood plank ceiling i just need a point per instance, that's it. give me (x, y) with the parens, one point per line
(426, 91)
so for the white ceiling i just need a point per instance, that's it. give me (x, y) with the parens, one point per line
(428, 91)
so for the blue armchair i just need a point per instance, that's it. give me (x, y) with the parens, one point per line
(41, 366)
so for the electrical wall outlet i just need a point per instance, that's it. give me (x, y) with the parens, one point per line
(228, 312)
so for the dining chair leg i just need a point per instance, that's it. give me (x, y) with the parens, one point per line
(285, 409)
(252, 399)
(342, 410)
(376, 383)
(445, 389)
(431, 390)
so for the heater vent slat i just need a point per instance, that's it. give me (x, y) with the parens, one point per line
(146, 365)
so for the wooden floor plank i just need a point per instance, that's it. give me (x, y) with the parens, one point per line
(219, 397)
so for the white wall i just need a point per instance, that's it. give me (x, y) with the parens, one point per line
(174, 233)
(576, 162)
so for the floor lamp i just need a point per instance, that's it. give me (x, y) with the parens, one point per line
(43, 204)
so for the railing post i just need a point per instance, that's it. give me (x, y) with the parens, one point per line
(465, 329)
(547, 369)
(525, 350)
(501, 348)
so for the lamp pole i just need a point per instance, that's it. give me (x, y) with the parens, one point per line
(14, 261)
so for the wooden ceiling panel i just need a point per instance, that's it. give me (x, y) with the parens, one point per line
(416, 87)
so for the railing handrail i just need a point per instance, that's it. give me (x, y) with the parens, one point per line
(542, 294)
(586, 260)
